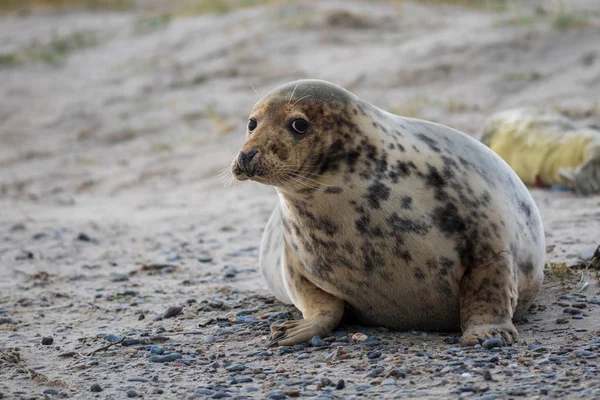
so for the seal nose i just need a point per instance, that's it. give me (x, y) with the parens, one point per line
(245, 159)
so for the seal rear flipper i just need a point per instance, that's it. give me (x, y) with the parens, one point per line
(488, 299)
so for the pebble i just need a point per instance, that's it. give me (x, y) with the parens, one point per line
(230, 272)
(209, 339)
(221, 395)
(172, 311)
(157, 350)
(572, 311)
(389, 382)
(562, 321)
(275, 395)
(132, 393)
(583, 353)
(371, 355)
(84, 237)
(96, 388)
(51, 392)
(131, 342)
(302, 356)
(47, 341)
(19, 226)
(236, 368)
(487, 375)
(205, 259)
(246, 312)
(205, 392)
(375, 372)
(359, 337)
(362, 387)
(491, 343)
(581, 305)
(113, 338)
(340, 384)
(165, 358)
(316, 341)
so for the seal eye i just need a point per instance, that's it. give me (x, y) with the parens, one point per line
(252, 124)
(299, 126)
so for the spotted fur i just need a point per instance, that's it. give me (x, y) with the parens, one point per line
(411, 224)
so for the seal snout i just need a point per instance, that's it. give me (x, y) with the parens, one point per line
(244, 165)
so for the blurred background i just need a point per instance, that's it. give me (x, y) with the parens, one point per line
(146, 100)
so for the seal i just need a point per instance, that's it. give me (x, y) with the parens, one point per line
(406, 223)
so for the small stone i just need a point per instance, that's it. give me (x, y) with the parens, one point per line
(487, 375)
(583, 353)
(131, 342)
(275, 395)
(209, 339)
(562, 321)
(221, 395)
(340, 384)
(359, 337)
(172, 311)
(581, 306)
(230, 272)
(19, 226)
(47, 341)
(316, 341)
(236, 368)
(113, 338)
(362, 387)
(491, 343)
(84, 237)
(96, 388)
(165, 358)
(292, 393)
(389, 382)
(371, 355)
(594, 301)
(157, 350)
(302, 356)
(205, 259)
(132, 393)
(572, 311)
(375, 372)
(51, 392)
(451, 340)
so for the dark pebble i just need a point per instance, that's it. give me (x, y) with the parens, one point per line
(316, 341)
(583, 353)
(567, 297)
(157, 350)
(245, 312)
(172, 311)
(96, 388)
(137, 379)
(579, 305)
(340, 384)
(39, 235)
(278, 315)
(577, 317)
(113, 338)
(230, 272)
(236, 368)
(562, 321)
(132, 393)
(371, 355)
(594, 301)
(131, 342)
(487, 375)
(205, 392)
(51, 392)
(205, 259)
(47, 341)
(166, 358)
(375, 372)
(84, 237)
(572, 311)
(275, 395)
(19, 226)
(451, 340)
(24, 255)
(491, 343)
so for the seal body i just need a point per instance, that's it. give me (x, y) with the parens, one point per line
(412, 224)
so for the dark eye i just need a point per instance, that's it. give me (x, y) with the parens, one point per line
(299, 126)
(251, 124)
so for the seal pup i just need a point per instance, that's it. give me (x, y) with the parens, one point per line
(410, 224)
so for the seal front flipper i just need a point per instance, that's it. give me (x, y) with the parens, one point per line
(321, 310)
(488, 298)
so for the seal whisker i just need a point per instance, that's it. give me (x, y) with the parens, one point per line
(300, 99)
(252, 86)
(293, 91)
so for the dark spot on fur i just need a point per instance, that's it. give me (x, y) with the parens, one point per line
(433, 145)
(405, 225)
(419, 274)
(376, 193)
(406, 202)
(333, 190)
(448, 219)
